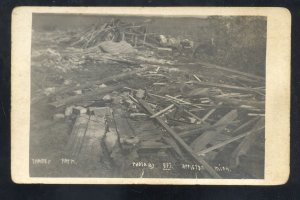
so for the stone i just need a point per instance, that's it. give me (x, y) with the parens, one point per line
(69, 111)
(58, 116)
(77, 92)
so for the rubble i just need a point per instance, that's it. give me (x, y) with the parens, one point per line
(147, 104)
(78, 110)
(58, 116)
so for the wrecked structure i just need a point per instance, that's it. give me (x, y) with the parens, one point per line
(140, 105)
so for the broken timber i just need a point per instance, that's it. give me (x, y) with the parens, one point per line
(84, 142)
(246, 144)
(231, 70)
(174, 135)
(231, 87)
(239, 102)
(200, 142)
(162, 111)
(196, 131)
(221, 144)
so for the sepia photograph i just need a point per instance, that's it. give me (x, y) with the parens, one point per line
(140, 96)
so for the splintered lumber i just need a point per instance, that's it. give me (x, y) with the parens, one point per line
(197, 78)
(84, 142)
(177, 138)
(196, 131)
(231, 70)
(200, 142)
(231, 87)
(77, 135)
(210, 112)
(240, 102)
(192, 115)
(243, 126)
(167, 98)
(222, 144)
(256, 114)
(178, 100)
(246, 144)
(162, 111)
(91, 147)
(85, 96)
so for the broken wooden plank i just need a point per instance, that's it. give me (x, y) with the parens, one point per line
(240, 102)
(246, 124)
(210, 112)
(168, 98)
(256, 114)
(196, 131)
(231, 87)
(193, 115)
(233, 139)
(84, 97)
(75, 141)
(197, 78)
(91, 149)
(245, 145)
(178, 100)
(231, 70)
(84, 143)
(162, 111)
(174, 135)
(200, 142)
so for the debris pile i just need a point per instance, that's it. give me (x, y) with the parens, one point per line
(147, 107)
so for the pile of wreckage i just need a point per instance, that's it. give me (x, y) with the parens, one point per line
(156, 107)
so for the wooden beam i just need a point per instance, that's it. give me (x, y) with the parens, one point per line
(162, 111)
(239, 102)
(195, 131)
(231, 87)
(222, 144)
(245, 145)
(174, 135)
(230, 70)
(200, 142)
